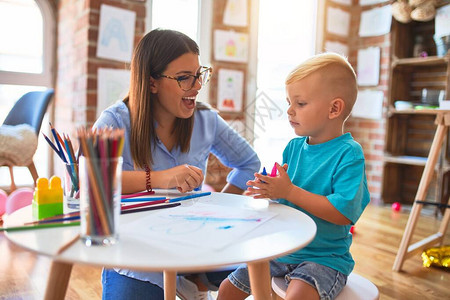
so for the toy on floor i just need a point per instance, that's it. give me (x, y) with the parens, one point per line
(48, 198)
(396, 206)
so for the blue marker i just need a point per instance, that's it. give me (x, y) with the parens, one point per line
(264, 172)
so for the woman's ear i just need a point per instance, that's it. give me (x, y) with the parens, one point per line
(336, 108)
(153, 85)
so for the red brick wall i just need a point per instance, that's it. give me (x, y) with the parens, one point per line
(370, 133)
(77, 63)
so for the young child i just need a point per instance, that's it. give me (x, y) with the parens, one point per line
(323, 175)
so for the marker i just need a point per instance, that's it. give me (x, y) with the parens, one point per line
(264, 172)
(274, 170)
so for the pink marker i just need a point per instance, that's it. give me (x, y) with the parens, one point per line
(274, 170)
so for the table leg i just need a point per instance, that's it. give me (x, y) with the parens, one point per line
(58, 280)
(170, 285)
(259, 273)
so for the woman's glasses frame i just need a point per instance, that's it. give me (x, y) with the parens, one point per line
(182, 80)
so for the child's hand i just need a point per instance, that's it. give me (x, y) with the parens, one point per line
(271, 187)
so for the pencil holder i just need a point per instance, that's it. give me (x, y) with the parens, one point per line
(71, 184)
(100, 193)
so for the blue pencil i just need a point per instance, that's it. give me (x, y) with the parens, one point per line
(142, 199)
(187, 197)
(55, 135)
(52, 145)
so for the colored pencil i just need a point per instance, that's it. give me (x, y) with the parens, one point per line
(76, 215)
(57, 142)
(150, 208)
(187, 197)
(39, 226)
(138, 194)
(142, 199)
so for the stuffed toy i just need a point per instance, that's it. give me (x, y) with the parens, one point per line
(405, 11)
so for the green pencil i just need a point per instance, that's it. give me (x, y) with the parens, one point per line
(40, 226)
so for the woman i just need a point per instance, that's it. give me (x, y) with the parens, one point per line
(168, 138)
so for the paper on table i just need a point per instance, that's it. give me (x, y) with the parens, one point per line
(191, 225)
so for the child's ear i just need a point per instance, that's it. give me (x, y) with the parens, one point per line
(336, 108)
(153, 85)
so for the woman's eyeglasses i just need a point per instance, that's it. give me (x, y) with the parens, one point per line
(187, 82)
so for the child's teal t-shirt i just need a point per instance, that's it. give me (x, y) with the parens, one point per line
(335, 169)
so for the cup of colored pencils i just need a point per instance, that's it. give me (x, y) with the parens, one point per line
(100, 170)
(65, 151)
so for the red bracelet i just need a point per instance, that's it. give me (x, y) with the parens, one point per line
(148, 183)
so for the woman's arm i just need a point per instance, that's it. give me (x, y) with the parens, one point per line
(184, 177)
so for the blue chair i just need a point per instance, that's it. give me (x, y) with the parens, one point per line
(29, 109)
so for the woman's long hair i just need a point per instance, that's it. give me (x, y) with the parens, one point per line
(153, 53)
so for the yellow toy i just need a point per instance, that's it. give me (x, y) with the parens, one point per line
(47, 198)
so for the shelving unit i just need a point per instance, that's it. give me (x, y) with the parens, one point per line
(409, 133)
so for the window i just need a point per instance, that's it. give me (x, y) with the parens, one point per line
(283, 43)
(191, 17)
(26, 59)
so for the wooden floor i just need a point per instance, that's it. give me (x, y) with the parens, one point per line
(376, 239)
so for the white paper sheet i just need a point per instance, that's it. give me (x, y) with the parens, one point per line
(189, 225)
(376, 21)
(338, 21)
(230, 90)
(235, 13)
(442, 21)
(116, 33)
(368, 66)
(336, 47)
(369, 105)
(113, 85)
(230, 46)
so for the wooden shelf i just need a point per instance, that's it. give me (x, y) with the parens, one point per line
(417, 111)
(420, 61)
(406, 160)
(410, 132)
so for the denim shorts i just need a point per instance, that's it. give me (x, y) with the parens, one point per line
(327, 281)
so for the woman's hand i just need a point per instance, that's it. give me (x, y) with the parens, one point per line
(184, 177)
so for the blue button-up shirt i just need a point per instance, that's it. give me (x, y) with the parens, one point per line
(211, 134)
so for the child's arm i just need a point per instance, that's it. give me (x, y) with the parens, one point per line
(282, 187)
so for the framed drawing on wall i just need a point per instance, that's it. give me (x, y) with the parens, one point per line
(230, 90)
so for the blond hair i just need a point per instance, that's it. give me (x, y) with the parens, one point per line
(340, 73)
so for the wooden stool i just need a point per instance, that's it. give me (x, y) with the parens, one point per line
(357, 288)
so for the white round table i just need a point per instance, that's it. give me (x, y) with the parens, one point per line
(286, 231)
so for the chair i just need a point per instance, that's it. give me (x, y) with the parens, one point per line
(357, 288)
(29, 109)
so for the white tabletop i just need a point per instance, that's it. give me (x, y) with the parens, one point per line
(286, 232)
